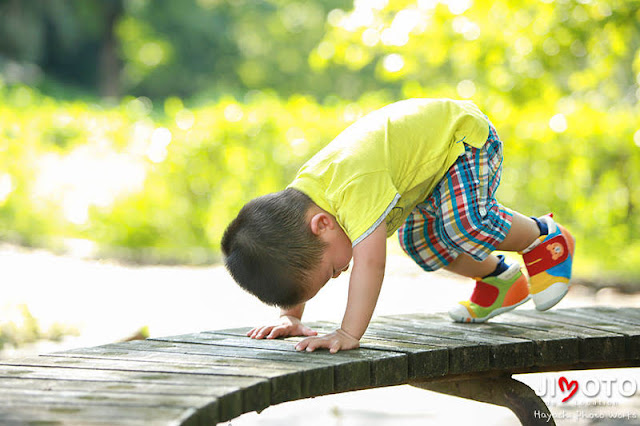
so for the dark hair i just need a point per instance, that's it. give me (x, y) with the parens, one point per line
(269, 248)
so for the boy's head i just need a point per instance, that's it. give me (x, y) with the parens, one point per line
(276, 248)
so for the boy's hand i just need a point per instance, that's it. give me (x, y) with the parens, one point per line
(335, 341)
(288, 326)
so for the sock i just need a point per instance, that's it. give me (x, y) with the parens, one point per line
(500, 267)
(544, 229)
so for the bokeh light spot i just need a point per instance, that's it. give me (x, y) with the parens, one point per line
(558, 123)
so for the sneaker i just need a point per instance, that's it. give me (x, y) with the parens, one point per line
(493, 296)
(548, 261)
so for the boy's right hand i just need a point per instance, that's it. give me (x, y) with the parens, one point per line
(288, 326)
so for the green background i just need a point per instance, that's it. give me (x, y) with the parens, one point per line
(143, 126)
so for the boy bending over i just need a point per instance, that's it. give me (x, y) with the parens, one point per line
(428, 168)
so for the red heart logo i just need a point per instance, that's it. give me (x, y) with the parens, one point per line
(563, 382)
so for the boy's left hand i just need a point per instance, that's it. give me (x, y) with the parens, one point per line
(338, 340)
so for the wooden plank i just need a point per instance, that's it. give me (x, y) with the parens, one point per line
(598, 321)
(216, 376)
(461, 353)
(618, 315)
(120, 400)
(150, 350)
(185, 361)
(505, 352)
(285, 386)
(633, 313)
(314, 379)
(151, 388)
(61, 414)
(425, 361)
(94, 388)
(550, 348)
(235, 395)
(347, 373)
(385, 368)
(239, 357)
(595, 345)
(254, 392)
(593, 321)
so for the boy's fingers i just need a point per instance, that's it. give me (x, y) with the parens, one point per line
(254, 332)
(261, 331)
(317, 343)
(265, 331)
(276, 332)
(301, 346)
(312, 345)
(309, 332)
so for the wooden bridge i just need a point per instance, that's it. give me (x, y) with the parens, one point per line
(213, 376)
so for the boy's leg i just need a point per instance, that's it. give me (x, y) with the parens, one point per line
(461, 223)
(467, 266)
(459, 226)
(503, 287)
(482, 225)
(523, 232)
(548, 255)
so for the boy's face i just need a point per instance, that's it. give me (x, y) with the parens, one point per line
(335, 260)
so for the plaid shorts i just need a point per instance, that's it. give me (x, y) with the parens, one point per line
(461, 215)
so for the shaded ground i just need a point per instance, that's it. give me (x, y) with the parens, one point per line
(106, 302)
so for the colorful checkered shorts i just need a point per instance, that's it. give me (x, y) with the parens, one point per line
(461, 215)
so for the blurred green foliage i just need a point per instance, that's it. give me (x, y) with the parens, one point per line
(164, 183)
(225, 100)
(191, 48)
(26, 330)
(163, 186)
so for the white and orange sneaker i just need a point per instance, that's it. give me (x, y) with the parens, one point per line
(549, 264)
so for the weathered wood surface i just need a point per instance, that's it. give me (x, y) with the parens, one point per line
(209, 377)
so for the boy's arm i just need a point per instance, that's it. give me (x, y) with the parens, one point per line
(289, 325)
(369, 258)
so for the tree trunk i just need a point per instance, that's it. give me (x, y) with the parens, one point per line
(109, 62)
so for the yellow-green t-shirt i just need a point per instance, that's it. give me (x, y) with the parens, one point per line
(389, 161)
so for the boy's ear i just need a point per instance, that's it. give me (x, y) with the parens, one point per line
(320, 222)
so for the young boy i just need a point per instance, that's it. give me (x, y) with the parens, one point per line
(428, 167)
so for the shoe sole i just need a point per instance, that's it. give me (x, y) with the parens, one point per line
(493, 313)
(550, 296)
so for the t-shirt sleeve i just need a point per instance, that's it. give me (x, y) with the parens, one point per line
(364, 203)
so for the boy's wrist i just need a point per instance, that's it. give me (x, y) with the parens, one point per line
(347, 334)
(291, 318)
(293, 311)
